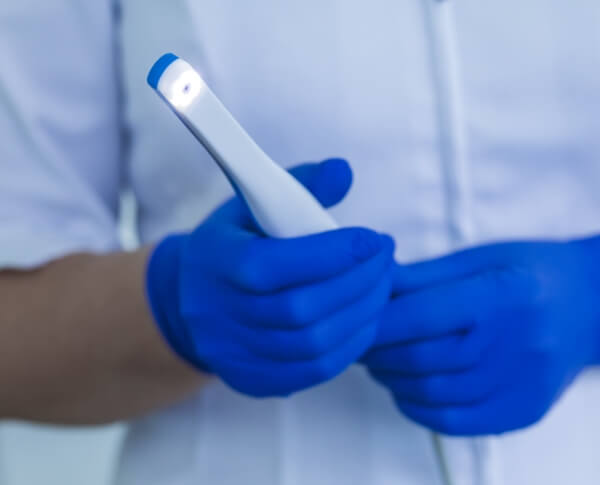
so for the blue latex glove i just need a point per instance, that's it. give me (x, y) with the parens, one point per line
(272, 316)
(486, 340)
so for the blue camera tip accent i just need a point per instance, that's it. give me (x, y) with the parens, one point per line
(159, 67)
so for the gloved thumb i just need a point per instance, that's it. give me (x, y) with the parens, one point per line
(329, 181)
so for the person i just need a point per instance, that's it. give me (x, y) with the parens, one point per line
(465, 124)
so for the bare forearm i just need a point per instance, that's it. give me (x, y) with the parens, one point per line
(78, 345)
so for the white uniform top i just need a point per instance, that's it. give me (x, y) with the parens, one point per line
(465, 126)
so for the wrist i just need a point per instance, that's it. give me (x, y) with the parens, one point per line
(162, 291)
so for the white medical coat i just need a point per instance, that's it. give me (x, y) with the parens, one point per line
(466, 124)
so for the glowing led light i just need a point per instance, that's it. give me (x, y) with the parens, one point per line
(185, 89)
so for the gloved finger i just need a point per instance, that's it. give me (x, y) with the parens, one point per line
(523, 396)
(307, 304)
(492, 416)
(268, 265)
(432, 313)
(329, 181)
(319, 339)
(474, 385)
(462, 264)
(282, 379)
(453, 353)
(455, 307)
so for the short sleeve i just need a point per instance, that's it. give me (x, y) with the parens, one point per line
(60, 149)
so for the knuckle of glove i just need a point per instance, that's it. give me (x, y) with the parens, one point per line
(447, 422)
(252, 271)
(297, 310)
(431, 389)
(323, 370)
(417, 360)
(442, 420)
(315, 344)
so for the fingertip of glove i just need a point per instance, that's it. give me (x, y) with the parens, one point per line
(366, 243)
(388, 242)
(337, 168)
(335, 164)
(332, 181)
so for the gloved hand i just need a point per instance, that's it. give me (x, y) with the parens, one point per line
(486, 340)
(272, 316)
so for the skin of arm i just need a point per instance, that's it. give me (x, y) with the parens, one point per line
(78, 344)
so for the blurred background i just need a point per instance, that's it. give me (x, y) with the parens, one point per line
(50, 455)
